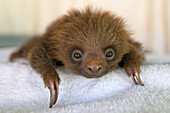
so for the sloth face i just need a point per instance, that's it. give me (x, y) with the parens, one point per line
(89, 43)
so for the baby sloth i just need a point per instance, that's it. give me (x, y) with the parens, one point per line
(89, 43)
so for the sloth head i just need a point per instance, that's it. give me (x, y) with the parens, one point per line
(90, 43)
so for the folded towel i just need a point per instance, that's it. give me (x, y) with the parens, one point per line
(22, 90)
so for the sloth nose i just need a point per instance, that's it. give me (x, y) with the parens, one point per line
(95, 69)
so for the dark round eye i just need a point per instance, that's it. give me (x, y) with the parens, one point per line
(109, 54)
(77, 55)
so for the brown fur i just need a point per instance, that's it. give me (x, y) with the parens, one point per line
(92, 32)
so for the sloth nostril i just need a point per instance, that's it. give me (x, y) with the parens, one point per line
(99, 68)
(90, 69)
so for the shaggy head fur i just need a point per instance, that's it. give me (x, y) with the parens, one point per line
(91, 32)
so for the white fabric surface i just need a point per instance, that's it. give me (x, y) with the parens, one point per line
(22, 90)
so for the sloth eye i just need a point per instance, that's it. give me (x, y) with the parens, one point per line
(109, 54)
(77, 55)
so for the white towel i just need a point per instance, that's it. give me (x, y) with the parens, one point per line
(22, 90)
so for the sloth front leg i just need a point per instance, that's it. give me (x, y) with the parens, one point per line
(40, 61)
(132, 62)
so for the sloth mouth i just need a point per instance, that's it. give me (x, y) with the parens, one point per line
(93, 76)
(90, 76)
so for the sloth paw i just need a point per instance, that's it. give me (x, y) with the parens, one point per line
(133, 71)
(53, 86)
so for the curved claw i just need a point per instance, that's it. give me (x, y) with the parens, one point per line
(139, 80)
(134, 79)
(56, 92)
(53, 93)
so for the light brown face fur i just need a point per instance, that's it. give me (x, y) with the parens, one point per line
(92, 33)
